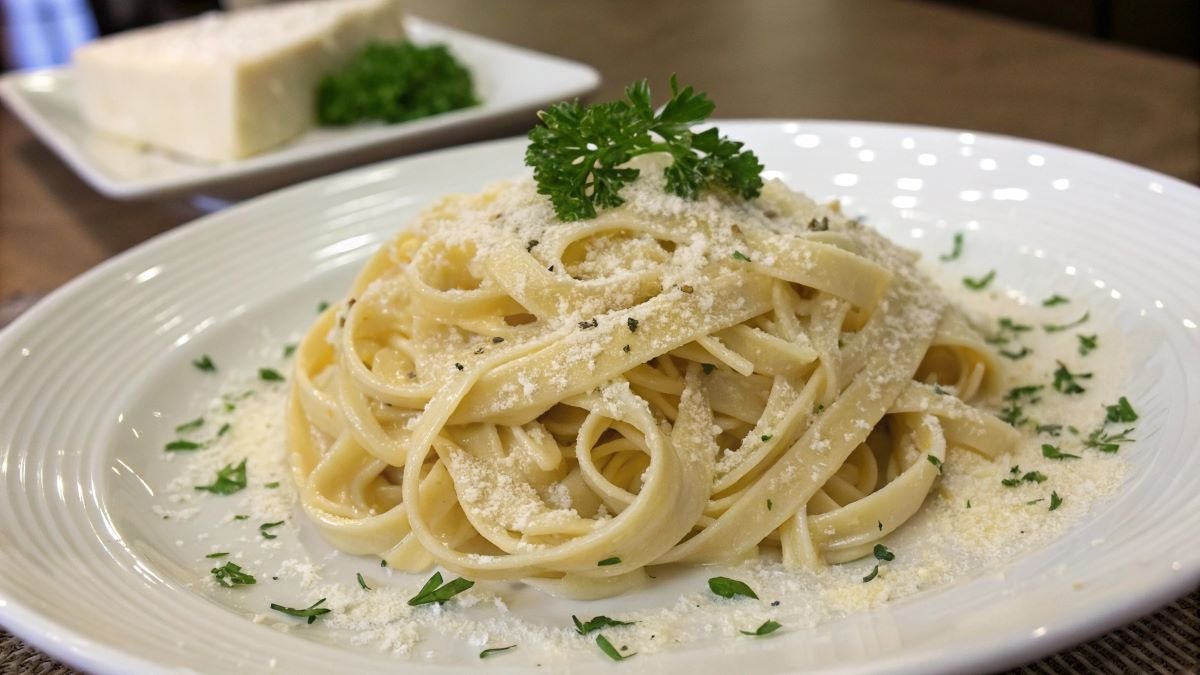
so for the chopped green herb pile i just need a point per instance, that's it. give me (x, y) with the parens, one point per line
(176, 446)
(311, 612)
(577, 153)
(395, 83)
(609, 561)
(205, 364)
(434, 591)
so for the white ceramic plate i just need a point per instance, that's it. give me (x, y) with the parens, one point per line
(511, 81)
(95, 376)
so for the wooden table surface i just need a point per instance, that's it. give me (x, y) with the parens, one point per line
(877, 60)
(836, 59)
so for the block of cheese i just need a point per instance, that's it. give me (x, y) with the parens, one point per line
(225, 85)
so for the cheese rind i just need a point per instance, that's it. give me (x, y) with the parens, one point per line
(225, 85)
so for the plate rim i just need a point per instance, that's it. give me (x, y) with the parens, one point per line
(1010, 648)
(589, 79)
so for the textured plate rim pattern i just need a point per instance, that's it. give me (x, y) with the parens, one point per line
(30, 616)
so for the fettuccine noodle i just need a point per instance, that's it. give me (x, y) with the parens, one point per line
(510, 396)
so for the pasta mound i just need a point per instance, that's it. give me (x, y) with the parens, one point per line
(676, 381)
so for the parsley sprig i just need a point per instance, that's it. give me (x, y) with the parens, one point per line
(578, 153)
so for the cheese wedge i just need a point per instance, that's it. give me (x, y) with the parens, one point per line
(225, 85)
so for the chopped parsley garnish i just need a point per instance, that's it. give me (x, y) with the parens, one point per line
(1087, 343)
(980, 283)
(770, 504)
(530, 244)
(738, 255)
(1030, 477)
(1105, 442)
(322, 306)
(937, 389)
(1065, 380)
(394, 82)
(434, 591)
(871, 577)
(190, 426)
(1121, 411)
(632, 323)
(936, 462)
(585, 325)
(766, 628)
(220, 554)
(269, 375)
(1055, 299)
(1051, 328)
(497, 340)
(230, 479)
(1055, 501)
(955, 252)
(766, 437)
(272, 485)
(495, 650)
(577, 153)
(175, 446)
(1054, 430)
(205, 364)
(1007, 331)
(1016, 355)
(288, 350)
(230, 574)
(459, 366)
(609, 561)
(1031, 502)
(1051, 452)
(223, 430)
(362, 583)
(265, 528)
(625, 349)
(1013, 411)
(882, 553)
(383, 563)
(241, 517)
(611, 651)
(707, 368)
(585, 627)
(728, 588)
(311, 612)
